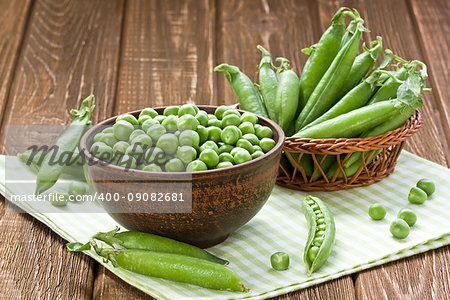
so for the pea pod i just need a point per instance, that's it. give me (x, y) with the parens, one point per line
(244, 89)
(358, 96)
(389, 89)
(351, 29)
(326, 92)
(286, 94)
(174, 267)
(268, 82)
(321, 234)
(362, 64)
(67, 142)
(147, 241)
(321, 56)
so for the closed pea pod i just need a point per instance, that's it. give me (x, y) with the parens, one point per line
(326, 92)
(268, 82)
(321, 234)
(321, 56)
(244, 89)
(287, 94)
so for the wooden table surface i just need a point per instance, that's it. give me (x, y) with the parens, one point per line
(134, 54)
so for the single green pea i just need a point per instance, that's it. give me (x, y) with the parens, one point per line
(313, 252)
(152, 168)
(120, 147)
(399, 229)
(174, 165)
(231, 111)
(187, 122)
(212, 116)
(77, 188)
(243, 143)
(249, 117)
(187, 109)
(171, 123)
(263, 132)
(149, 112)
(377, 211)
(226, 157)
(135, 151)
(266, 144)
(186, 154)
(59, 198)
(171, 110)
(109, 139)
(196, 165)
(238, 149)
(122, 130)
(209, 157)
(149, 123)
(142, 140)
(230, 120)
(156, 131)
(224, 164)
(168, 142)
(160, 118)
(202, 118)
(102, 151)
(257, 148)
(225, 148)
(209, 145)
(242, 157)
(417, 196)
(408, 216)
(129, 118)
(189, 138)
(202, 133)
(144, 118)
(135, 133)
(127, 161)
(279, 261)
(230, 134)
(215, 122)
(252, 138)
(257, 126)
(97, 137)
(155, 155)
(108, 129)
(214, 133)
(247, 127)
(257, 154)
(220, 110)
(426, 185)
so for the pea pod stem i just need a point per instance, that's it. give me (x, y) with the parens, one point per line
(173, 267)
(268, 83)
(243, 87)
(147, 241)
(329, 86)
(67, 142)
(321, 235)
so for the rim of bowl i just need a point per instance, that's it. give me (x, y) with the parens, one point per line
(89, 157)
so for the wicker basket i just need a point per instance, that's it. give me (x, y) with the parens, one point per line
(390, 145)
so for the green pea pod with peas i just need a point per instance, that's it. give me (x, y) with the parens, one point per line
(67, 142)
(268, 83)
(358, 96)
(351, 29)
(243, 87)
(287, 94)
(173, 267)
(321, 56)
(362, 64)
(325, 94)
(147, 241)
(322, 231)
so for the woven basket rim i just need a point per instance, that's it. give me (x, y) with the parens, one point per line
(342, 145)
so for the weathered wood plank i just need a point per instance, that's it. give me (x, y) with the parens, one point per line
(70, 51)
(167, 54)
(431, 19)
(166, 58)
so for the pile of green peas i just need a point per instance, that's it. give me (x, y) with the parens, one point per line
(183, 138)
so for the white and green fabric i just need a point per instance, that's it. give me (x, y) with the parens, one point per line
(361, 243)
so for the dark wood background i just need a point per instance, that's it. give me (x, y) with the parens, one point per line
(133, 54)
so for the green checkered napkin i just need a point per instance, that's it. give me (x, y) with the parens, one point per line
(361, 243)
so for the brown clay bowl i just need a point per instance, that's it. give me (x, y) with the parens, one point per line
(222, 200)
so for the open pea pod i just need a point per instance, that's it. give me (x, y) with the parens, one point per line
(321, 234)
